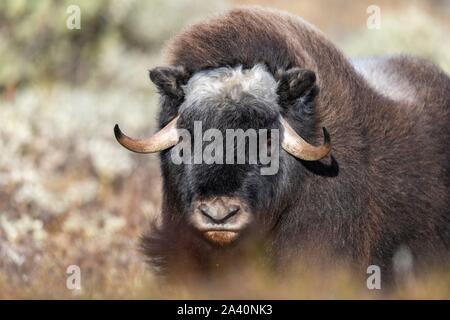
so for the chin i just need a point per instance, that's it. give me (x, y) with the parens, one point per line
(221, 238)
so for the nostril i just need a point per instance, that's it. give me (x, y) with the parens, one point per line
(204, 209)
(233, 210)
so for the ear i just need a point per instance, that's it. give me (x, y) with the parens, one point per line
(169, 80)
(294, 84)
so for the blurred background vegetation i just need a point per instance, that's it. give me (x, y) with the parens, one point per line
(69, 194)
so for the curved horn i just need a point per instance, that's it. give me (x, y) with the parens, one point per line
(163, 139)
(299, 148)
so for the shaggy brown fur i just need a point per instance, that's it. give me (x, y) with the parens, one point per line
(389, 121)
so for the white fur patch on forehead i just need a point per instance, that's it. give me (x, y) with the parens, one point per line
(231, 83)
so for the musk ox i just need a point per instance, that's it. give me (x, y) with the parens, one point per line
(376, 179)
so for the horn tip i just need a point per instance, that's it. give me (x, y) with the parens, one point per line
(117, 132)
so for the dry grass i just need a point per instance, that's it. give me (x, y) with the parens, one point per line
(131, 280)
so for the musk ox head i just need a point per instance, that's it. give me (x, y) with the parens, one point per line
(221, 155)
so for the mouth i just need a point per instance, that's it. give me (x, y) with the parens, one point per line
(221, 237)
